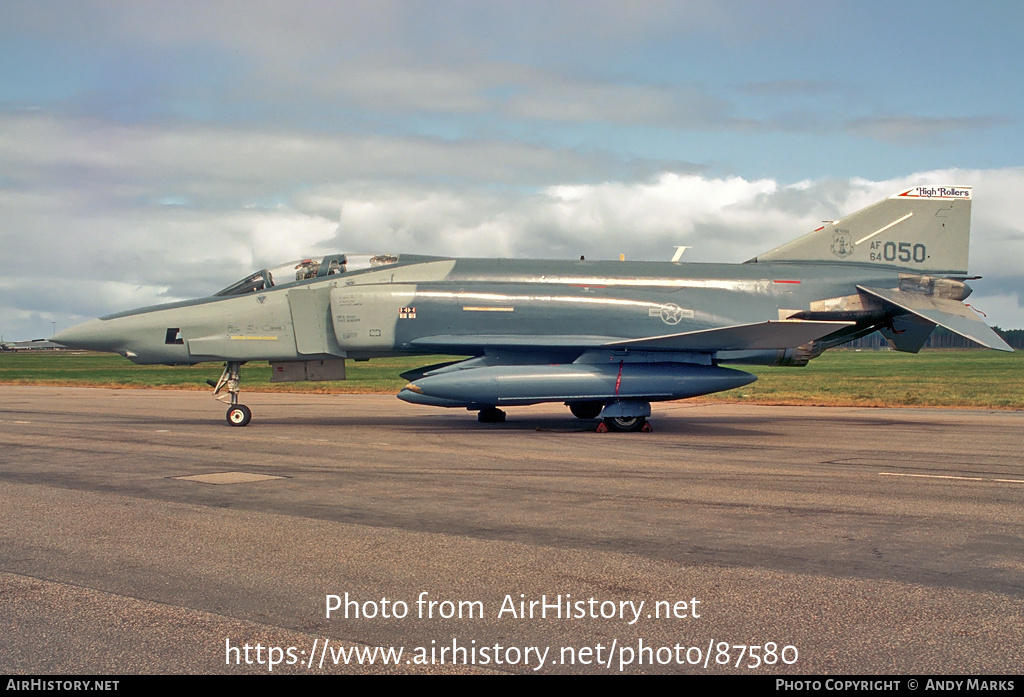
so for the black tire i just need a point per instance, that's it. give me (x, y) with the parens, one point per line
(491, 415)
(586, 410)
(239, 415)
(625, 424)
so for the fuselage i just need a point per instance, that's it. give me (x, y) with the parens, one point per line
(431, 305)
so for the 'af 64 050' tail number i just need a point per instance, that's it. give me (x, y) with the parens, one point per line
(898, 251)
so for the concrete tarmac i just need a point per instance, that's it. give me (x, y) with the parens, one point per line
(141, 534)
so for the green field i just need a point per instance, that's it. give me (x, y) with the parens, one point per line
(938, 378)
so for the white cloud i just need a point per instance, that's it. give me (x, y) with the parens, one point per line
(277, 238)
(367, 61)
(210, 165)
(671, 206)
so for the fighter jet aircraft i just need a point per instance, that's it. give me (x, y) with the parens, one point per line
(607, 338)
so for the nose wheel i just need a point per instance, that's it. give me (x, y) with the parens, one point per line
(238, 414)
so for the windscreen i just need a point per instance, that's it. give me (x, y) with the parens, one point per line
(303, 270)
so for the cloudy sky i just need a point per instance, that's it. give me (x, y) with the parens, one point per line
(153, 151)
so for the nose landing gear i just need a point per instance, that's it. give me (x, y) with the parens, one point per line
(238, 414)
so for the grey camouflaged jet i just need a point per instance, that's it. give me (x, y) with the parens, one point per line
(607, 338)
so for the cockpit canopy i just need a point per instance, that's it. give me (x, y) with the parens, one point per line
(303, 270)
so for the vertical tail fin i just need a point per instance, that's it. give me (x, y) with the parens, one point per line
(925, 229)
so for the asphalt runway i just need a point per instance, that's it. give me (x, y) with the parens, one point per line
(835, 540)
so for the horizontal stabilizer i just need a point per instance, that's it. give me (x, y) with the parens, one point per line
(770, 335)
(951, 314)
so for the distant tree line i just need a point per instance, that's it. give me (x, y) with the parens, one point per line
(941, 338)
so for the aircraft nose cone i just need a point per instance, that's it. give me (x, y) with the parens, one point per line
(94, 335)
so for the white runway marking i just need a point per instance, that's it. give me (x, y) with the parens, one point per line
(229, 478)
(949, 476)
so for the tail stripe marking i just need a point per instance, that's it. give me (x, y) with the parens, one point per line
(883, 229)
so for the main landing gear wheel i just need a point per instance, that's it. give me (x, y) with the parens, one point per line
(626, 424)
(491, 415)
(585, 410)
(239, 415)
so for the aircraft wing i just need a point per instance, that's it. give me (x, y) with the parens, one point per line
(454, 342)
(951, 314)
(770, 335)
